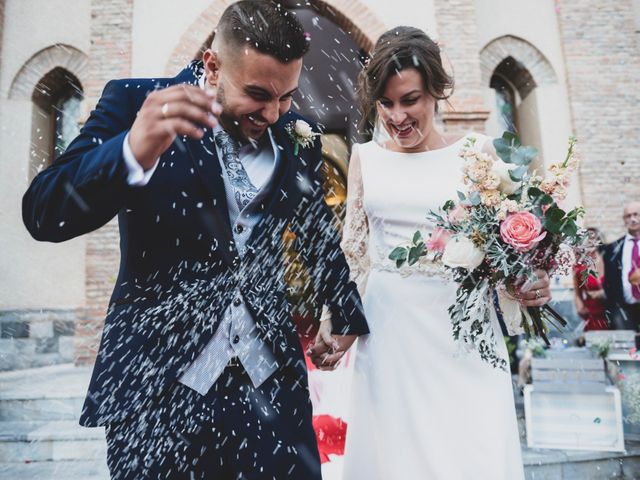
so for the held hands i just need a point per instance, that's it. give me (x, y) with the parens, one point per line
(176, 110)
(327, 349)
(537, 293)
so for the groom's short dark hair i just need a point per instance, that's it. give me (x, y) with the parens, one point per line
(265, 26)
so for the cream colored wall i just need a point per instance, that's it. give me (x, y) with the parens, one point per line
(536, 23)
(34, 274)
(527, 115)
(157, 29)
(420, 14)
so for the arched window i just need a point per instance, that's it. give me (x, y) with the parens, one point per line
(57, 99)
(505, 103)
(512, 83)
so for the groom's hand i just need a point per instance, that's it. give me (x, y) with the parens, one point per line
(327, 349)
(537, 293)
(176, 110)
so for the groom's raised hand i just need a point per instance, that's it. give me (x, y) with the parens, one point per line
(177, 110)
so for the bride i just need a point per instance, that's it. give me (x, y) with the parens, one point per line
(420, 409)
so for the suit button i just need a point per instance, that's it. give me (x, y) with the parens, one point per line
(239, 229)
(236, 339)
(237, 302)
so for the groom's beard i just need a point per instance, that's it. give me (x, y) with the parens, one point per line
(233, 125)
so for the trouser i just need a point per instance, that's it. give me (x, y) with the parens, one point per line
(625, 317)
(235, 431)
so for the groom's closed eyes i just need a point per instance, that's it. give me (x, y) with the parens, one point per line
(262, 95)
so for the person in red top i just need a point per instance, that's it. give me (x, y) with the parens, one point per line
(589, 295)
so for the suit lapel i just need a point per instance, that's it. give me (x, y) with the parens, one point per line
(284, 193)
(204, 158)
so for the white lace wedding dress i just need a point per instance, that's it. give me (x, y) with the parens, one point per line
(420, 410)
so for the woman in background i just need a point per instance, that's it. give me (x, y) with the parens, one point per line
(589, 293)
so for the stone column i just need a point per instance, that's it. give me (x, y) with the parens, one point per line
(110, 57)
(602, 61)
(458, 40)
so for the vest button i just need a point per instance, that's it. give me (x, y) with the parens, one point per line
(237, 302)
(239, 229)
(236, 339)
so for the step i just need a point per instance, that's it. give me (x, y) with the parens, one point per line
(48, 393)
(546, 464)
(61, 470)
(41, 441)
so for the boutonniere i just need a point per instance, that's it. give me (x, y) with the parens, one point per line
(301, 134)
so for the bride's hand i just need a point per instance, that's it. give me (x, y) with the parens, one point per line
(326, 351)
(535, 294)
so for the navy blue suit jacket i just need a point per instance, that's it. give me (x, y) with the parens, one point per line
(179, 266)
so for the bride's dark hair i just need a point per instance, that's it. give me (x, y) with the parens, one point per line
(398, 49)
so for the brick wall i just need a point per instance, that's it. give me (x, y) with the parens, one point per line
(603, 68)
(458, 39)
(110, 57)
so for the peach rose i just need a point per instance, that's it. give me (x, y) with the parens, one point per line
(522, 230)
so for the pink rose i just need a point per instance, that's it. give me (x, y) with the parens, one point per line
(522, 230)
(438, 240)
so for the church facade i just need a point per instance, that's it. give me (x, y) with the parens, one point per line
(547, 69)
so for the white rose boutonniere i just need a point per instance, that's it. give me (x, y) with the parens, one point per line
(301, 134)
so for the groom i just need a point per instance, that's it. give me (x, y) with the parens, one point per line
(200, 372)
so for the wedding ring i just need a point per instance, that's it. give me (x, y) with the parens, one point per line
(538, 296)
(165, 110)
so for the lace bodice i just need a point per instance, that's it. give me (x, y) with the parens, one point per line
(389, 195)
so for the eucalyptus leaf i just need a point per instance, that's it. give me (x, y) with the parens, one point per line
(570, 228)
(417, 238)
(461, 196)
(414, 255)
(517, 173)
(524, 155)
(475, 199)
(506, 146)
(534, 192)
(398, 253)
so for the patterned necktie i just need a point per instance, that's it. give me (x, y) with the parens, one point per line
(244, 190)
(635, 265)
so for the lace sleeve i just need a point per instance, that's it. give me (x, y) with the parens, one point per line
(355, 240)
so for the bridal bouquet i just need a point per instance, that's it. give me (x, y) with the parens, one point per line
(506, 225)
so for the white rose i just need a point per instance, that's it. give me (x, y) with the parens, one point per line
(460, 252)
(303, 129)
(501, 170)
